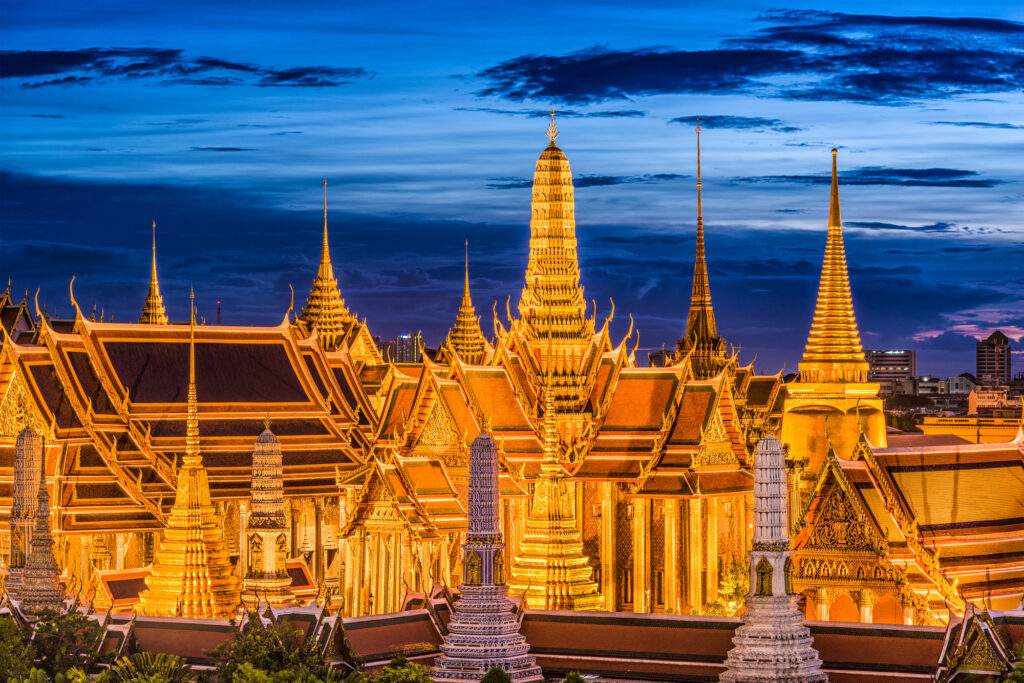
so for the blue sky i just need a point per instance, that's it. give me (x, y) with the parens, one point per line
(219, 122)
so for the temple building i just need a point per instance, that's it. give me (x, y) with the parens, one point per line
(620, 488)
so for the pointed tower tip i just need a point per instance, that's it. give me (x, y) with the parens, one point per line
(552, 128)
(153, 312)
(834, 218)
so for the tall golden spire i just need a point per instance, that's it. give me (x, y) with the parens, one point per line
(192, 574)
(552, 298)
(701, 341)
(834, 352)
(153, 312)
(325, 310)
(465, 338)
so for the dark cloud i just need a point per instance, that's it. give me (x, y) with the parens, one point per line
(875, 175)
(581, 181)
(646, 239)
(40, 68)
(223, 149)
(738, 122)
(876, 225)
(803, 54)
(560, 113)
(978, 124)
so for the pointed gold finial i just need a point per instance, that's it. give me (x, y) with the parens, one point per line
(834, 219)
(552, 128)
(700, 210)
(326, 254)
(465, 288)
(153, 312)
(266, 421)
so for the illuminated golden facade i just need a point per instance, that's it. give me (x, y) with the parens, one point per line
(621, 487)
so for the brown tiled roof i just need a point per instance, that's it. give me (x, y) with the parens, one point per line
(157, 372)
(640, 399)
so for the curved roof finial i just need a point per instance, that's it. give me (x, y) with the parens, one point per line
(552, 128)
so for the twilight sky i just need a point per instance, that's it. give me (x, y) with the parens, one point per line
(219, 121)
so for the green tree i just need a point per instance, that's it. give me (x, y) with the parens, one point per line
(268, 649)
(247, 673)
(401, 670)
(16, 652)
(496, 675)
(733, 586)
(66, 640)
(573, 677)
(146, 667)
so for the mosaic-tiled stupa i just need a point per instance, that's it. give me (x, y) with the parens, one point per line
(484, 630)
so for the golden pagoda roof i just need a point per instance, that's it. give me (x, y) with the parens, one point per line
(153, 312)
(834, 352)
(325, 310)
(465, 339)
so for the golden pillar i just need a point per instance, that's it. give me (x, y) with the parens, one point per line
(354, 573)
(694, 555)
(243, 540)
(641, 555)
(318, 540)
(711, 594)
(609, 581)
(672, 598)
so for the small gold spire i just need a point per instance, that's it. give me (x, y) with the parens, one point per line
(701, 342)
(465, 337)
(834, 352)
(267, 421)
(552, 128)
(834, 218)
(325, 310)
(153, 311)
(325, 254)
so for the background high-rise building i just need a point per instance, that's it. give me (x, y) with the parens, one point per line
(891, 368)
(994, 360)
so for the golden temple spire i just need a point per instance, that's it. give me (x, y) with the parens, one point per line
(325, 310)
(834, 352)
(552, 297)
(153, 311)
(701, 341)
(465, 338)
(192, 574)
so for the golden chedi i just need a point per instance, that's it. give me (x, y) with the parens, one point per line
(833, 402)
(192, 573)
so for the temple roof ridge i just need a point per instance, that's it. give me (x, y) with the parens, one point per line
(153, 311)
(834, 352)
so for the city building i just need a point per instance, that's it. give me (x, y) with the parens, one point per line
(994, 354)
(926, 385)
(964, 383)
(890, 368)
